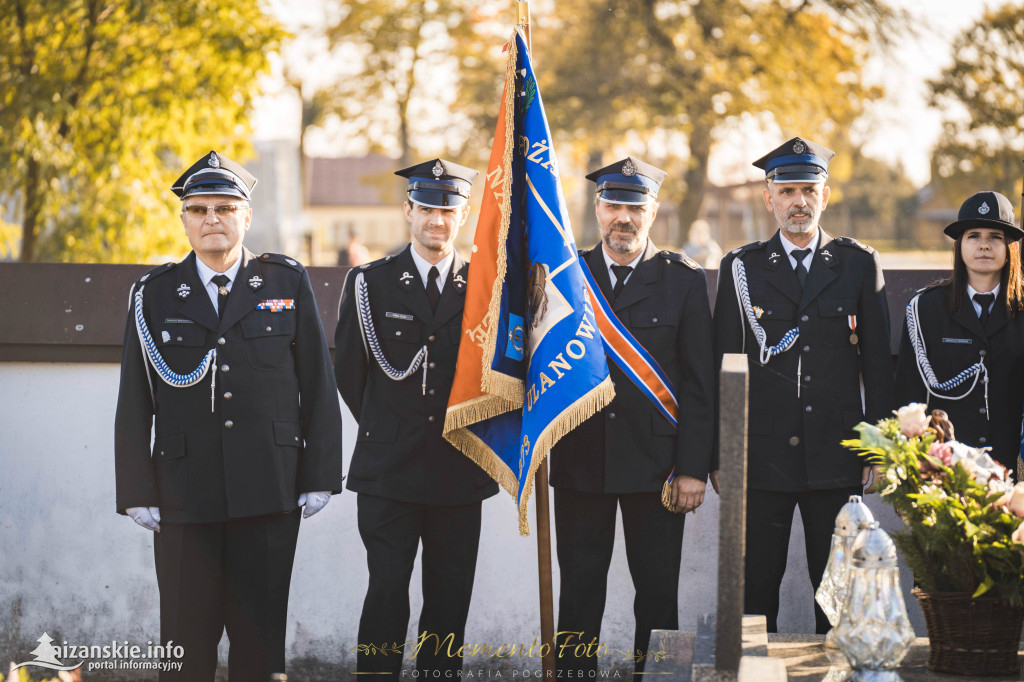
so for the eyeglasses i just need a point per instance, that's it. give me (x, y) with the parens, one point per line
(198, 211)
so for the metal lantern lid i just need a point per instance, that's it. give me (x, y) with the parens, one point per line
(852, 517)
(873, 548)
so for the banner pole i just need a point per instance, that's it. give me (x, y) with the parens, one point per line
(546, 590)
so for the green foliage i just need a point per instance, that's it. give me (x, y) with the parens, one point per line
(104, 102)
(958, 531)
(982, 141)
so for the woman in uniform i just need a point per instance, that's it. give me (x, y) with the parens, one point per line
(962, 348)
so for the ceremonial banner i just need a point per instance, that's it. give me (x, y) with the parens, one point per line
(531, 365)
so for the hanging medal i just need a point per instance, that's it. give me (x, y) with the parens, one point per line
(852, 319)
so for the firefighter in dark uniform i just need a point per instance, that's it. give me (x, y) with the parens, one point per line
(965, 354)
(399, 328)
(622, 457)
(226, 350)
(810, 312)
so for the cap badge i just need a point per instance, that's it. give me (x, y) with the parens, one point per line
(214, 160)
(798, 147)
(983, 209)
(437, 170)
(628, 169)
(255, 282)
(184, 290)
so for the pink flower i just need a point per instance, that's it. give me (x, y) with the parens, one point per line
(1016, 504)
(941, 451)
(913, 421)
(1018, 535)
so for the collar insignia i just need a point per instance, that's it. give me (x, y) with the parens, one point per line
(255, 282)
(628, 169)
(214, 160)
(437, 170)
(774, 257)
(983, 209)
(826, 255)
(184, 290)
(459, 281)
(405, 276)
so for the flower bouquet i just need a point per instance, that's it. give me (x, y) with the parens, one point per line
(963, 536)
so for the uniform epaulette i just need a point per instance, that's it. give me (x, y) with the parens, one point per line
(850, 241)
(929, 287)
(582, 252)
(376, 263)
(747, 247)
(679, 258)
(156, 272)
(281, 259)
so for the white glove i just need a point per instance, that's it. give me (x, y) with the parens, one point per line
(313, 502)
(147, 517)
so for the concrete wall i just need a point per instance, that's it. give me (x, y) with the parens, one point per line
(72, 567)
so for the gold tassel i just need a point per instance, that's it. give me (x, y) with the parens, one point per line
(666, 496)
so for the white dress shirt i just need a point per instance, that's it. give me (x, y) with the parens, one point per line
(790, 247)
(608, 263)
(206, 274)
(971, 291)
(423, 267)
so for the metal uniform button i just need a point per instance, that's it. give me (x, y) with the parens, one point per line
(228, 424)
(654, 319)
(432, 365)
(794, 440)
(227, 395)
(804, 318)
(162, 453)
(808, 409)
(839, 308)
(807, 377)
(367, 434)
(981, 411)
(225, 367)
(180, 339)
(611, 415)
(430, 418)
(221, 341)
(398, 333)
(432, 391)
(430, 338)
(982, 352)
(270, 329)
(981, 440)
(807, 349)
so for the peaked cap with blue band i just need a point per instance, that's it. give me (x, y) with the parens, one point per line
(629, 181)
(797, 160)
(215, 174)
(438, 183)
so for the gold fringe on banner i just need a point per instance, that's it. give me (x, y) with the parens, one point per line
(495, 383)
(585, 407)
(478, 451)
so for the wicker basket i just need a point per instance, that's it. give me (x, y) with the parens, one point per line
(971, 636)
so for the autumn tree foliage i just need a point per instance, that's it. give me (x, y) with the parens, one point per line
(102, 103)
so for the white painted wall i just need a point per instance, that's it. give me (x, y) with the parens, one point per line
(71, 566)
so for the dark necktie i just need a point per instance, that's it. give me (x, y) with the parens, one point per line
(222, 292)
(621, 273)
(801, 271)
(985, 301)
(433, 293)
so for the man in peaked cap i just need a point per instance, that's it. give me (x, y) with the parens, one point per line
(623, 456)
(814, 324)
(399, 328)
(226, 350)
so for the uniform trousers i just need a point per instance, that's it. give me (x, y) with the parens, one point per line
(769, 522)
(585, 527)
(231, 574)
(392, 532)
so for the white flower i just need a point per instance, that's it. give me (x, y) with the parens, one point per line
(976, 461)
(913, 420)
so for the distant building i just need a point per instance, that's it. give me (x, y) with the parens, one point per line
(358, 194)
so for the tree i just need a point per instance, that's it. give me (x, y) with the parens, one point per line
(103, 102)
(982, 141)
(645, 70)
(403, 78)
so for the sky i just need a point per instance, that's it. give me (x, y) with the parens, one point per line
(901, 128)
